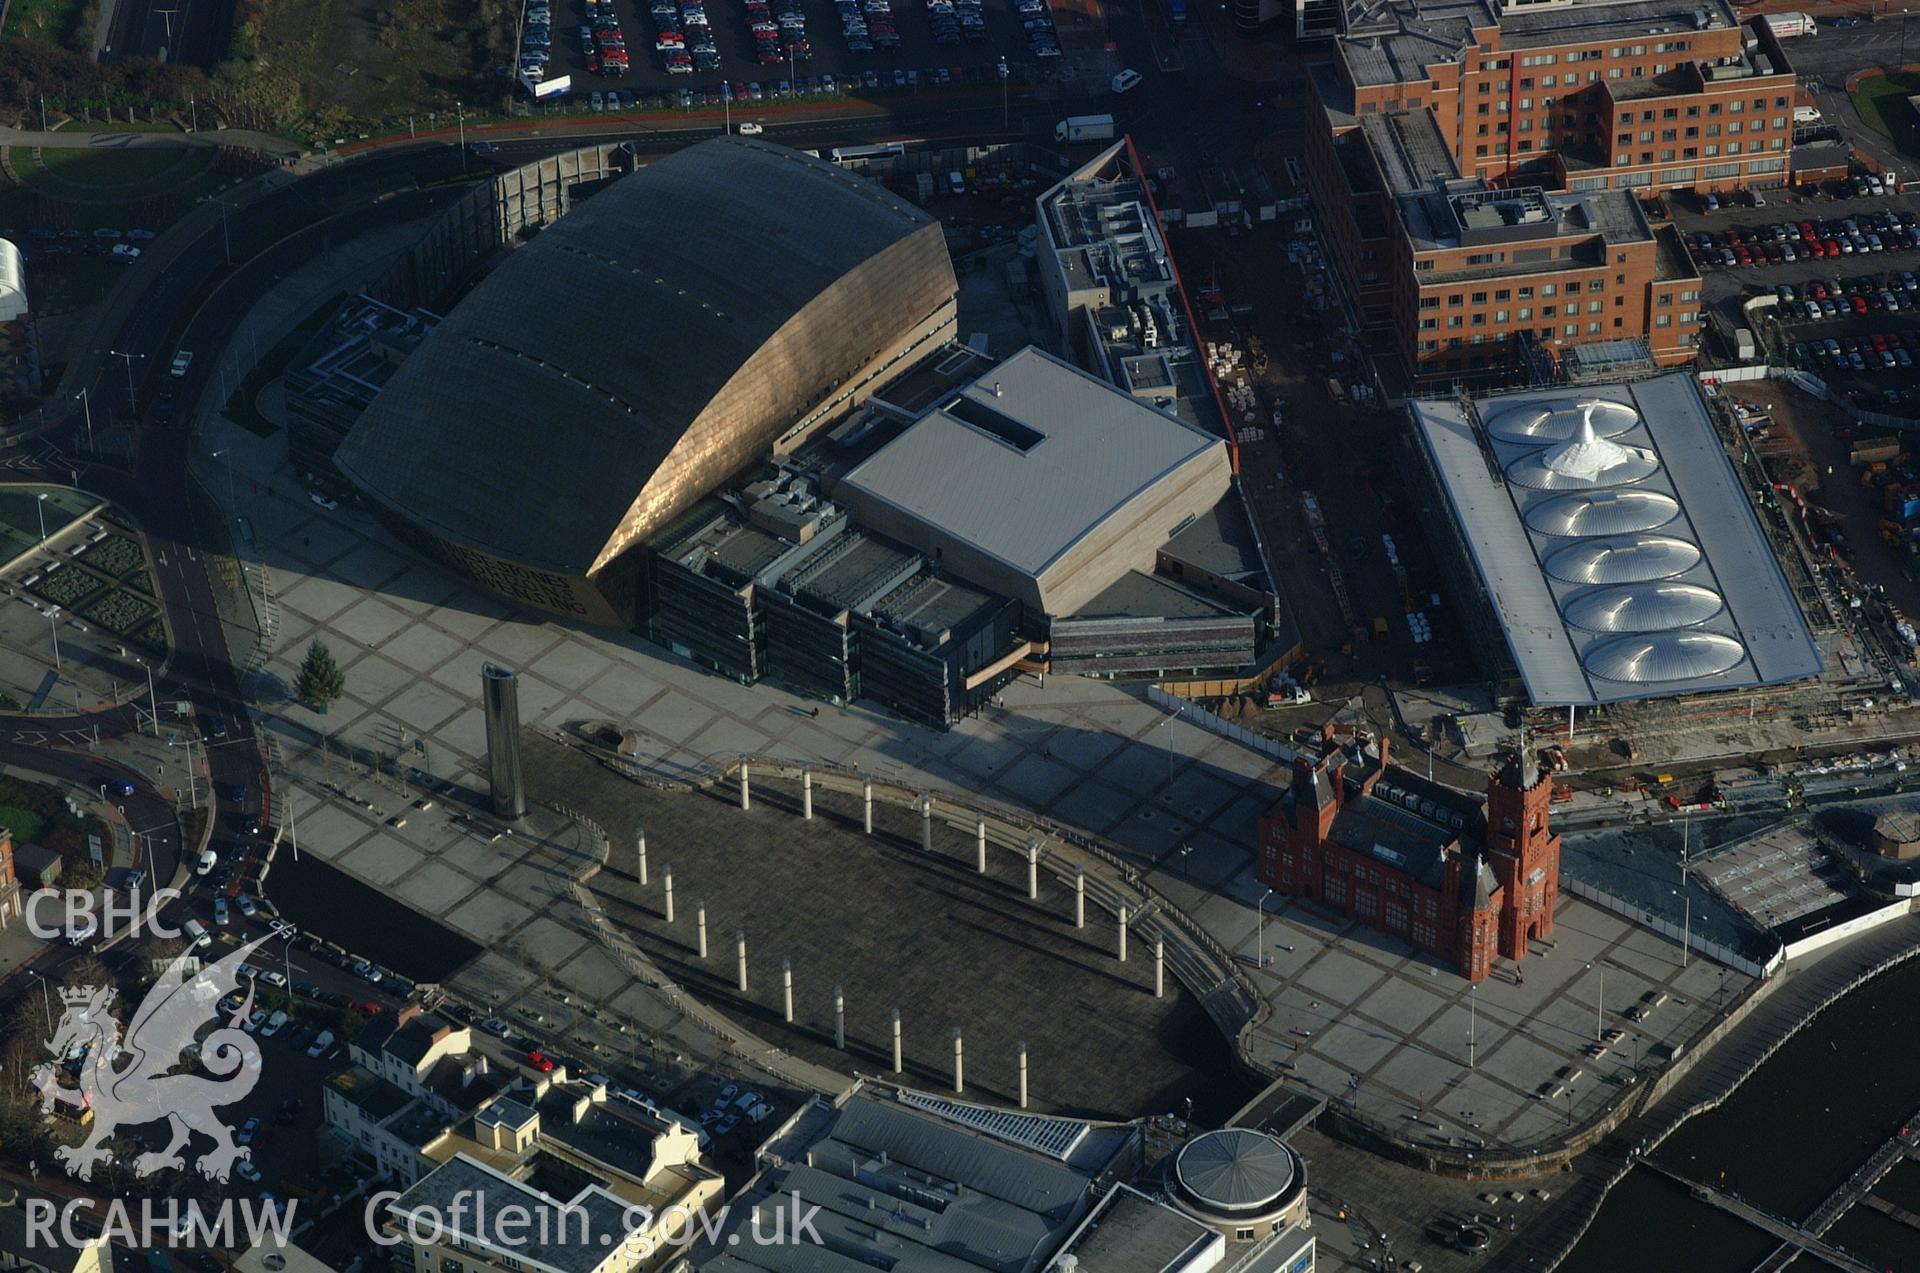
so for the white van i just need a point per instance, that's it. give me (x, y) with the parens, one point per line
(956, 183)
(196, 934)
(1807, 115)
(206, 863)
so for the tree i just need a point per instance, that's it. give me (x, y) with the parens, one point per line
(321, 681)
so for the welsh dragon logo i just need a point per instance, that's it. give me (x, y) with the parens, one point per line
(132, 1082)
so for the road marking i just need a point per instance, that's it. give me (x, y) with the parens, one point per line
(31, 737)
(75, 737)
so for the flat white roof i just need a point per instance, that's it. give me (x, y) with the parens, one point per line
(1028, 460)
(1625, 614)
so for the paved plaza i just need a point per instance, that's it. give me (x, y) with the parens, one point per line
(896, 927)
(1179, 802)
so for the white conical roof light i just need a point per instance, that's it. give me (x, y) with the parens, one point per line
(1586, 455)
(1584, 460)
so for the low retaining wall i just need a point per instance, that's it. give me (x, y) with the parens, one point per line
(1851, 928)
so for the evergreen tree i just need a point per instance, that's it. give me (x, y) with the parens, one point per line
(321, 680)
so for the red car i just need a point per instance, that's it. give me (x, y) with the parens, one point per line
(367, 1009)
(1859, 304)
(539, 1062)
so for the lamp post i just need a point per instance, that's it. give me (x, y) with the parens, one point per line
(293, 833)
(128, 360)
(53, 626)
(1260, 929)
(1600, 1000)
(153, 700)
(226, 452)
(1686, 929)
(1167, 725)
(1473, 1018)
(1004, 73)
(461, 111)
(86, 405)
(226, 239)
(40, 507)
(46, 998)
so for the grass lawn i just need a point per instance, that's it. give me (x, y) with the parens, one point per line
(84, 281)
(353, 66)
(50, 20)
(121, 173)
(1882, 103)
(25, 824)
(118, 125)
(86, 188)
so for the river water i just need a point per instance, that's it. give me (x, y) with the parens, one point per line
(1784, 1141)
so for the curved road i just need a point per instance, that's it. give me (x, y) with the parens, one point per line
(198, 302)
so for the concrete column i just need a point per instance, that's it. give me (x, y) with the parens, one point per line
(640, 838)
(1079, 897)
(896, 1041)
(1123, 935)
(1159, 967)
(866, 789)
(1022, 1046)
(806, 794)
(746, 790)
(980, 842)
(959, 1063)
(700, 920)
(666, 882)
(926, 822)
(786, 987)
(840, 1018)
(1033, 868)
(740, 953)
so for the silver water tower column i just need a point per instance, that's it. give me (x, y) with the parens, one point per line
(500, 692)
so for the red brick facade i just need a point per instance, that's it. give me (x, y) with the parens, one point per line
(1456, 879)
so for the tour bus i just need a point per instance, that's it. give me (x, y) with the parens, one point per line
(882, 150)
